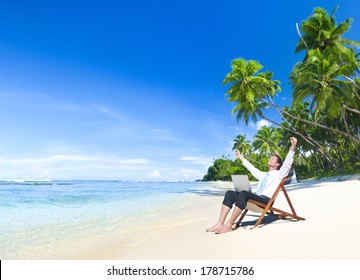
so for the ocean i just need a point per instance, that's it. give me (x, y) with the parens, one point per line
(54, 216)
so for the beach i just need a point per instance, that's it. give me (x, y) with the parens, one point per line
(176, 231)
(330, 232)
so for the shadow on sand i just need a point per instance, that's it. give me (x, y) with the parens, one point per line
(267, 220)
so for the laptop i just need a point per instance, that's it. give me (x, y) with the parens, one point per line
(241, 183)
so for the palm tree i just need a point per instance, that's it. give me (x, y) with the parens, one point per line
(266, 141)
(319, 80)
(248, 88)
(313, 132)
(241, 144)
(326, 78)
(324, 75)
(321, 31)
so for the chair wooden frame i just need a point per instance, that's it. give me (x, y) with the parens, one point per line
(268, 209)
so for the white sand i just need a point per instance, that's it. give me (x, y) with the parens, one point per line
(331, 229)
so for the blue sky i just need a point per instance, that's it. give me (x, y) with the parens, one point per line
(132, 89)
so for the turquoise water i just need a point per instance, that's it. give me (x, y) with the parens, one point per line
(36, 216)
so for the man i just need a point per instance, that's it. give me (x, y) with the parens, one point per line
(268, 182)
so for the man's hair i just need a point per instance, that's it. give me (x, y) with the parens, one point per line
(279, 161)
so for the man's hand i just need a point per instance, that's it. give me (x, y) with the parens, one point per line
(238, 155)
(293, 142)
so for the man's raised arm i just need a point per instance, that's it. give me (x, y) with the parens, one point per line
(285, 168)
(253, 170)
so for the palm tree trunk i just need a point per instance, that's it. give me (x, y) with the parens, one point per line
(343, 116)
(301, 37)
(279, 110)
(308, 139)
(309, 122)
(353, 82)
(351, 109)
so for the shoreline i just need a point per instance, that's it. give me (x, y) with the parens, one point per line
(327, 233)
(178, 232)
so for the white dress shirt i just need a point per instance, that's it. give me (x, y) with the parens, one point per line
(275, 176)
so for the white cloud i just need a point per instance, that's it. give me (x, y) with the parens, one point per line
(190, 158)
(198, 160)
(187, 174)
(133, 161)
(78, 166)
(110, 112)
(155, 174)
(47, 160)
(134, 130)
(262, 123)
(70, 167)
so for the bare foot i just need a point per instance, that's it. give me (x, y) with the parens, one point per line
(224, 229)
(213, 228)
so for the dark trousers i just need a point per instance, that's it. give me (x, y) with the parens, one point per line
(240, 198)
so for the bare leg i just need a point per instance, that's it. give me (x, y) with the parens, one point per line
(228, 226)
(223, 213)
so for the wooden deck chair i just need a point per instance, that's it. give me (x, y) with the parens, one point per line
(268, 209)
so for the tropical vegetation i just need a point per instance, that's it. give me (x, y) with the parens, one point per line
(324, 113)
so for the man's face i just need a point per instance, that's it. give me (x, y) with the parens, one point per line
(273, 162)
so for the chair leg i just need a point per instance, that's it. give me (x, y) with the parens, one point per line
(260, 219)
(289, 201)
(241, 218)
